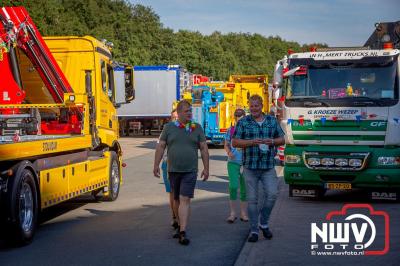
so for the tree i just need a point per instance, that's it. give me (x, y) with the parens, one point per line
(140, 38)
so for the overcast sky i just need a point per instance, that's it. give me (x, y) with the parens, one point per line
(335, 22)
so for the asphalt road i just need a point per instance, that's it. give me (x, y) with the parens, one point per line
(135, 229)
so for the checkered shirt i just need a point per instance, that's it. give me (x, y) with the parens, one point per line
(248, 128)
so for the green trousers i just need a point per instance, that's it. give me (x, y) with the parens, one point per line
(236, 178)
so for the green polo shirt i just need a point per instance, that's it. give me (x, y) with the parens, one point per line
(182, 147)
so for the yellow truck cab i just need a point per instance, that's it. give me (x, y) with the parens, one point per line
(88, 66)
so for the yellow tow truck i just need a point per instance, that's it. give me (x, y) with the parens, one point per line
(247, 85)
(58, 123)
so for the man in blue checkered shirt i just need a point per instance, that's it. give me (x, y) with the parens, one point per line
(258, 134)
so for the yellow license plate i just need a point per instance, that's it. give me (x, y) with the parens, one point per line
(338, 186)
(214, 110)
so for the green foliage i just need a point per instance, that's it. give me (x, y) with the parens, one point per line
(140, 38)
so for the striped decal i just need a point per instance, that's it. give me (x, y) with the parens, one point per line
(340, 125)
(339, 133)
(57, 198)
(339, 137)
(337, 142)
(343, 132)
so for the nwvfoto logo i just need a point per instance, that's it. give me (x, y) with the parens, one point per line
(355, 232)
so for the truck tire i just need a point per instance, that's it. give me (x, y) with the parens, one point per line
(114, 178)
(23, 207)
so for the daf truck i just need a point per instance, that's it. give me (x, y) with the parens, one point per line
(341, 113)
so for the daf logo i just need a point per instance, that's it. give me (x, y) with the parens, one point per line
(305, 192)
(378, 124)
(384, 195)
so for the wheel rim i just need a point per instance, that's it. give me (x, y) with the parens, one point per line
(115, 178)
(26, 207)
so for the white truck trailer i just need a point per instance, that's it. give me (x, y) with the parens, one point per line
(156, 88)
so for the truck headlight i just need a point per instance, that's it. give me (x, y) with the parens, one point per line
(327, 161)
(389, 160)
(292, 158)
(314, 161)
(355, 162)
(341, 162)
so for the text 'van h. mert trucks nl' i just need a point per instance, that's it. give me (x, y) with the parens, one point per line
(341, 114)
(58, 122)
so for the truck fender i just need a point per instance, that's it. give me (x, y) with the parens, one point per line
(117, 148)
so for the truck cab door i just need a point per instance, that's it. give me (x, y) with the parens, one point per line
(108, 123)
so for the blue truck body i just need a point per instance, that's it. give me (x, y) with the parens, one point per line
(206, 110)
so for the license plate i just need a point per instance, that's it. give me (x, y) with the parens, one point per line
(213, 109)
(338, 186)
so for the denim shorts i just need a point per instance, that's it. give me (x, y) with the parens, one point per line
(182, 183)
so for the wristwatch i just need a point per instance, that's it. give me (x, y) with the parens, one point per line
(272, 140)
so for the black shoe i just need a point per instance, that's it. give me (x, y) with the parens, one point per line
(266, 233)
(174, 224)
(253, 238)
(176, 234)
(183, 240)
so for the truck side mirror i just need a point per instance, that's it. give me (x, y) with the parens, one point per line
(124, 88)
(129, 85)
(277, 93)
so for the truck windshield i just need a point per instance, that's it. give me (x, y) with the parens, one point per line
(335, 83)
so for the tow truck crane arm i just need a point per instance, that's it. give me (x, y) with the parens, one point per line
(18, 30)
(19, 33)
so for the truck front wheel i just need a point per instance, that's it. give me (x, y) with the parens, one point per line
(114, 178)
(23, 207)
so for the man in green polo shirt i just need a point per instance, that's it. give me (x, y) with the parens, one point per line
(183, 139)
